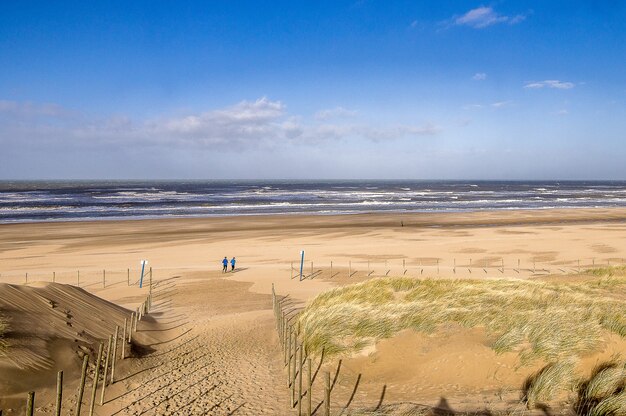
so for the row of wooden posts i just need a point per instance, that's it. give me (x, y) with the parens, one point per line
(472, 265)
(104, 278)
(106, 358)
(296, 359)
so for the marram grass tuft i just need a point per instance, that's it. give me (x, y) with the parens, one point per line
(535, 319)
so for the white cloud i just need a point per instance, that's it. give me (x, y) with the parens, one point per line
(517, 19)
(550, 83)
(334, 112)
(562, 112)
(390, 132)
(483, 16)
(261, 123)
(479, 76)
(496, 105)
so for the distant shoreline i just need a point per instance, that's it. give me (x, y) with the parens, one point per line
(465, 218)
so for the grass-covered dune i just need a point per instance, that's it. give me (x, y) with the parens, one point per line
(554, 323)
(536, 319)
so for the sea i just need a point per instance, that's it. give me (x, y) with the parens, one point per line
(33, 201)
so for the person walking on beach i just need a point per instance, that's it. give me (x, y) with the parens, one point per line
(225, 264)
(232, 264)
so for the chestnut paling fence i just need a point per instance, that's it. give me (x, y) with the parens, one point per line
(311, 390)
(297, 360)
(118, 347)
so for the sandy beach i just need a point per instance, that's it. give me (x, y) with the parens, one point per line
(209, 345)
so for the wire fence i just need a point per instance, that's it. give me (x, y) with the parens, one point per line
(429, 266)
(98, 278)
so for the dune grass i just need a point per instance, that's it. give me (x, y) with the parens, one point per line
(543, 320)
(603, 393)
(546, 383)
(610, 271)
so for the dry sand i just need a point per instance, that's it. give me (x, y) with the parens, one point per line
(209, 344)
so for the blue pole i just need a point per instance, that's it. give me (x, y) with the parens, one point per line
(143, 265)
(301, 263)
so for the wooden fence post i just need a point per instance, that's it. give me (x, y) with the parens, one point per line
(81, 388)
(300, 381)
(288, 356)
(309, 392)
(128, 276)
(327, 394)
(281, 326)
(292, 374)
(123, 349)
(288, 349)
(104, 279)
(54, 277)
(96, 376)
(107, 357)
(59, 402)
(134, 321)
(30, 403)
(114, 356)
(130, 326)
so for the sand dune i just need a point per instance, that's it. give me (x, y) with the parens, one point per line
(209, 345)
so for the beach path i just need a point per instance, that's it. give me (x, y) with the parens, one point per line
(214, 357)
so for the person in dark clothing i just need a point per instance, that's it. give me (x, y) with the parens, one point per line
(225, 264)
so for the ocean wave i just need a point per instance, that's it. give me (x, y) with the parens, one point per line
(93, 200)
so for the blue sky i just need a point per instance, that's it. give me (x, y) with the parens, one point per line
(325, 89)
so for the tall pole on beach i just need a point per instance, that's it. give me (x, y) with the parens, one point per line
(143, 267)
(301, 263)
